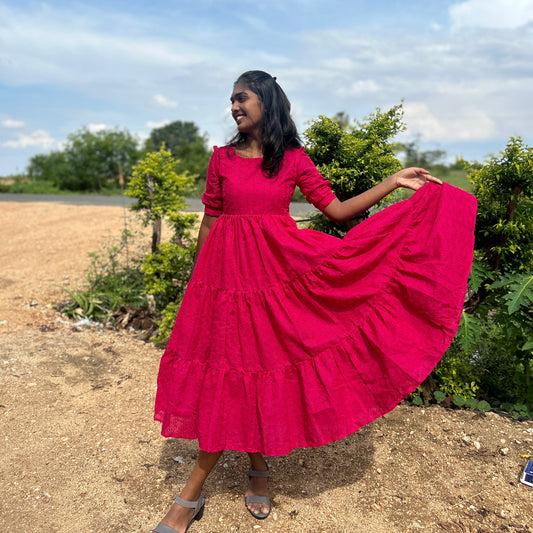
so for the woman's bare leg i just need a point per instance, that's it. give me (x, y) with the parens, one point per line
(178, 517)
(258, 485)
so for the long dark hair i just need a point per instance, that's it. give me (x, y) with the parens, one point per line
(278, 131)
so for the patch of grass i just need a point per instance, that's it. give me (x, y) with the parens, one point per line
(22, 185)
(457, 178)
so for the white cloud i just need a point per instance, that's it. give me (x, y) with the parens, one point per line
(10, 123)
(78, 46)
(95, 128)
(163, 101)
(40, 138)
(467, 123)
(491, 13)
(358, 88)
(142, 136)
(152, 124)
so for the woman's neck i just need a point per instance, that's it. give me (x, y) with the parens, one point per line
(252, 147)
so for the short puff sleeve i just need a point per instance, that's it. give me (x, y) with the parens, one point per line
(315, 188)
(212, 197)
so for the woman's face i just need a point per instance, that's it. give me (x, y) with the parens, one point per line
(246, 109)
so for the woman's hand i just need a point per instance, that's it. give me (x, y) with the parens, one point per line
(412, 178)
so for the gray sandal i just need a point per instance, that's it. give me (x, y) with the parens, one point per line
(252, 498)
(198, 507)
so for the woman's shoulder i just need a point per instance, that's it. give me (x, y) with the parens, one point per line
(226, 151)
(295, 153)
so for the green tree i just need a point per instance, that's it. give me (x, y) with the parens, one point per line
(184, 141)
(160, 193)
(353, 158)
(414, 157)
(501, 281)
(51, 168)
(94, 160)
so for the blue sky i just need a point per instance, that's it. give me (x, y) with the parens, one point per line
(463, 68)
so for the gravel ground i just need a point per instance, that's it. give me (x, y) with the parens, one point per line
(82, 453)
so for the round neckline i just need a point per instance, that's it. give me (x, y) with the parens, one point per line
(234, 150)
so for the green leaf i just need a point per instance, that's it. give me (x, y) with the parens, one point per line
(439, 396)
(520, 290)
(484, 406)
(472, 403)
(469, 332)
(479, 273)
(417, 400)
(459, 401)
(520, 407)
(528, 346)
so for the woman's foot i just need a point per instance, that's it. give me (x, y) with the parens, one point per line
(181, 514)
(256, 497)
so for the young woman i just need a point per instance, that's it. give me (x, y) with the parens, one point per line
(292, 338)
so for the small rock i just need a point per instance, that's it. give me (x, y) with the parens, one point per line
(467, 440)
(504, 451)
(477, 445)
(179, 459)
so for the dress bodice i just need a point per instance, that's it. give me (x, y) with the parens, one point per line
(238, 186)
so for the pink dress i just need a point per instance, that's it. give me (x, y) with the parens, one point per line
(291, 338)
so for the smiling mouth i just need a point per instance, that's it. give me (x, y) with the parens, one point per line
(238, 118)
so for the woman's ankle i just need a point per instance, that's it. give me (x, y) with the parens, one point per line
(257, 462)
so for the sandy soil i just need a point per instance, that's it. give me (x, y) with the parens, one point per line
(81, 452)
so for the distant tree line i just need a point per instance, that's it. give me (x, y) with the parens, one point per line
(98, 161)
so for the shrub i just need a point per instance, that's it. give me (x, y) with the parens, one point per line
(353, 158)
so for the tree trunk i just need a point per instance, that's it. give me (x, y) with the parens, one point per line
(156, 226)
(156, 233)
(529, 388)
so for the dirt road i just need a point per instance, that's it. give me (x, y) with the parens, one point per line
(80, 451)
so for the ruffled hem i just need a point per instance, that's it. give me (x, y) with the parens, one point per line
(312, 358)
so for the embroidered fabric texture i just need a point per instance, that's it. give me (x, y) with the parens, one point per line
(291, 338)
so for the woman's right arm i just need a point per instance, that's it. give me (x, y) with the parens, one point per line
(205, 227)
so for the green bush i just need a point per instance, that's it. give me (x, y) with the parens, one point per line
(168, 319)
(454, 375)
(353, 158)
(114, 279)
(124, 274)
(496, 329)
(167, 271)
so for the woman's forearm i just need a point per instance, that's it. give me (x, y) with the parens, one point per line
(341, 211)
(411, 178)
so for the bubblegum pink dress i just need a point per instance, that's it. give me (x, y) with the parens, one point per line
(291, 338)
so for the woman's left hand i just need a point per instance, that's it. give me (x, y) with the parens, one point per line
(413, 178)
